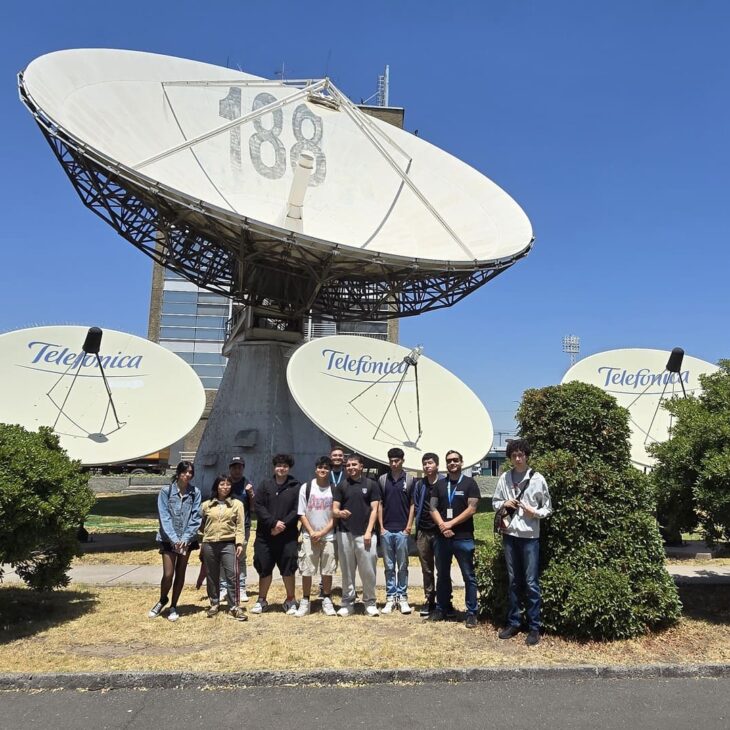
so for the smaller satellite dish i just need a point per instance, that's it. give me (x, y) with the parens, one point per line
(641, 380)
(143, 400)
(371, 395)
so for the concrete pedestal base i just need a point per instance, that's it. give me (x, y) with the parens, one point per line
(255, 417)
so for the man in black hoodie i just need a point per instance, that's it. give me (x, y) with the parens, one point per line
(277, 500)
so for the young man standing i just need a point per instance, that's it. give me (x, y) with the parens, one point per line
(242, 490)
(426, 530)
(317, 552)
(355, 506)
(395, 517)
(454, 502)
(337, 474)
(276, 532)
(523, 492)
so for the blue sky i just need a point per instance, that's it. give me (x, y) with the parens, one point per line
(607, 121)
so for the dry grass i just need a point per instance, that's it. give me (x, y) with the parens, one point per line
(90, 629)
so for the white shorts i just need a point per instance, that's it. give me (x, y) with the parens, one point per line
(317, 557)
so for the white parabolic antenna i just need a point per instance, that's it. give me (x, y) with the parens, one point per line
(157, 396)
(280, 194)
(365, 395)
(640, 382)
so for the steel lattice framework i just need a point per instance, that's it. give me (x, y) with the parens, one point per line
(276, 270)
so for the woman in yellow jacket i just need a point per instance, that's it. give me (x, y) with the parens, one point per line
(222, 544)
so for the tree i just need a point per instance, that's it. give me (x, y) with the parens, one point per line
(44, 499)
(603, 571)
(692, 475)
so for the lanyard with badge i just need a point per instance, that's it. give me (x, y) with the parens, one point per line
(450, 495)
(336, 482)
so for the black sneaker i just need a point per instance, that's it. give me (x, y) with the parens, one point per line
(451, 612)
(471, 621)
(437, 615)
(426, 609)
(508, 632)
(533, 638)
(156, 610)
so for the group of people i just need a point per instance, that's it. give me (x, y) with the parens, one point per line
(336, 518)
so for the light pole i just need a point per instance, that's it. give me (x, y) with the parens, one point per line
(571, 346)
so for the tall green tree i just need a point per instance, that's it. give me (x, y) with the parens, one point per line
(692, 475)
(44, 498)
(603, 571)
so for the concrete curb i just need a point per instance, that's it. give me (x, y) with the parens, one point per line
(227, 680)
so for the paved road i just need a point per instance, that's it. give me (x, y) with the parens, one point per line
(663, 704)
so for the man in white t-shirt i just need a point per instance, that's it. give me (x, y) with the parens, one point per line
(317, 551)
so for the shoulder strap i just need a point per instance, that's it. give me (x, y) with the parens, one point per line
(526, 482)
(307, 492)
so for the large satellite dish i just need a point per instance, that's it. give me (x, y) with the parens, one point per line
(641, 380)
(280, 194)
(371, 395)
(47, 380)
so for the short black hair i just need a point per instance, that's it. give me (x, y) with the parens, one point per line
(454, 451)
(354, 457)
(324, 461)
(283, 459)
(430, 455)
(518, 445)
(395, 453)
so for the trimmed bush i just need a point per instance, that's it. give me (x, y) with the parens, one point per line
(602, 558)
(44, 499)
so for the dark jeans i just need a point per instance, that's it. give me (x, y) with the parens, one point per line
(463, 551)
(522, 555)
(426, 543)
(217, 555)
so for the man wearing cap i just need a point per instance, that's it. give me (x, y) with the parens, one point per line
(242, 489)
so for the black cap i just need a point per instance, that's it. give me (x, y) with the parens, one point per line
(237, 460)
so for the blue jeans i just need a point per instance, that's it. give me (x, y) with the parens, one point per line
(522, 555)
(463, 550)
(395, 558)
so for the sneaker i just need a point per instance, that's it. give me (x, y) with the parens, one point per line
(328, 608)
(172, 614)
(404, 606)
(260, 606)
(389, 606)
(238, 613)
(508, 632)
(372, 611)
(345, 611)
(533, 638)
(437, 615)
(426, 609)
(451, 612)
(290, 607)
(471, 621)
(303, 609)
(212, 611)
(157, 608)
(244, 596)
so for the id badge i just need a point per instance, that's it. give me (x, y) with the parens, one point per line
(449, 514)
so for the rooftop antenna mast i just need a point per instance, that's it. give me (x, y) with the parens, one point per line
(384, 88)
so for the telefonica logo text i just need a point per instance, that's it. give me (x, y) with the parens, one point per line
(47, 352)
(640, 378)
(363, 365)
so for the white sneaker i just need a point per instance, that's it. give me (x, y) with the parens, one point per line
(403, 605)
(372, 611)
(172, 614)
(244, 596)
(389, 606)
(303, 609)
(290, 607)
(328, 608)
(345, 611)
(260, 606)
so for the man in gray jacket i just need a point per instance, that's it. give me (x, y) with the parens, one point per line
(524, 495)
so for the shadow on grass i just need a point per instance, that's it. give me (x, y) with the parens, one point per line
(706, 602)
(24, 612)
(126, 505)
(120, 542)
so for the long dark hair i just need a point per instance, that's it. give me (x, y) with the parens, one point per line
(184, 466)
(214, 489)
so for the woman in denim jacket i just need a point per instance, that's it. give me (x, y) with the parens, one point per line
(178, 507)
